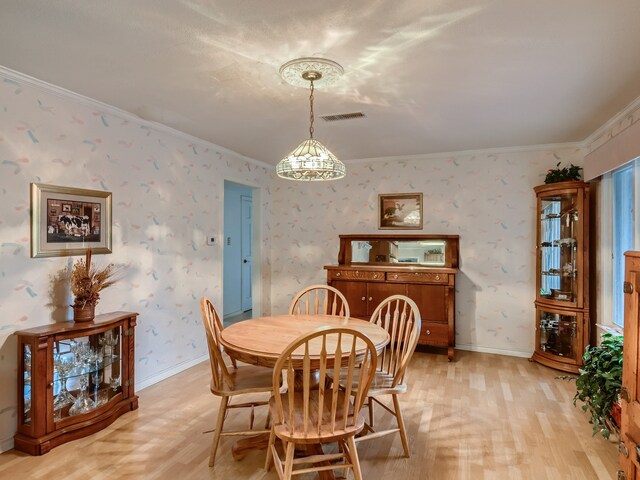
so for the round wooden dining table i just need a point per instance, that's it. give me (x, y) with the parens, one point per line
(261, 340)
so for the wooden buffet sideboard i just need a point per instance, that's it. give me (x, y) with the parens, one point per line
(423, 267)
(74, 379)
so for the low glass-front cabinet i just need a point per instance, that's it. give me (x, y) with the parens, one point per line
(74, 379)
(562, 287)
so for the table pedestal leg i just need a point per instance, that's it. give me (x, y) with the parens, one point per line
(245, 445)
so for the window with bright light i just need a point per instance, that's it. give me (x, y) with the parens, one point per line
(622, 223)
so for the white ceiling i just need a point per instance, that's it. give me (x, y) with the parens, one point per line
(430, 75)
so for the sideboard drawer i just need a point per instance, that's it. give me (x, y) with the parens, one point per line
(356, 275)
(419, 277)
(434, 334)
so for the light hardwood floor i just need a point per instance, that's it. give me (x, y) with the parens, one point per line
(480, 417)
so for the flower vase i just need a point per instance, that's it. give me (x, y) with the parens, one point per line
(84, 314)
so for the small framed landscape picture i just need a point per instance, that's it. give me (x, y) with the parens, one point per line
(68, 221)
(400, 211)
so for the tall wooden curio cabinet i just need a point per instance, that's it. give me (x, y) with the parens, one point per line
(562, 275)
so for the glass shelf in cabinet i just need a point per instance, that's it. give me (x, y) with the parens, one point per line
(92, 368)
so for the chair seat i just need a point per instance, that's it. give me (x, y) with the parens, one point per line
(382, 383)
(325, 434)
(247, 379)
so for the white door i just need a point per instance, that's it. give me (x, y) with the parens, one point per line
(246, 239)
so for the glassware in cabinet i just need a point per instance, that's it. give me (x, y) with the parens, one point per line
(559, 222)
(86, 372)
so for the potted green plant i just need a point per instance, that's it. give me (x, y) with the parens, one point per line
(599, 383)
(554, 175)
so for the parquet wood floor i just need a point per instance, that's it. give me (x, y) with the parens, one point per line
(482, 417)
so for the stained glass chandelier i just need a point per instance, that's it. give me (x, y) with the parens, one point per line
(311, 161)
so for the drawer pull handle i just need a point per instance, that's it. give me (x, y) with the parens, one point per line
(364, 298)
(428, 332)
(395, 276)
(338, 274)
(370, 299)
(622, 448)
(437, 277)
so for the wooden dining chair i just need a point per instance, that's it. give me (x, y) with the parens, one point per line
(398, 315)
(317, 411)
(320, 300)
(231, 381)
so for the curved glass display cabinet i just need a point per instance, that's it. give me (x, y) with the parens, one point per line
(74, 379)
(562, 286)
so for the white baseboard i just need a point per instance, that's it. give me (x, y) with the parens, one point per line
(6, 445)
(170, 372)
(496, 351)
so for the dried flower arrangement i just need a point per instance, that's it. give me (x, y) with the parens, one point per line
(563, 174)
(88, 281)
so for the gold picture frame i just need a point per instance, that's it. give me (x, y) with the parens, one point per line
(400, 211)
(67, 221)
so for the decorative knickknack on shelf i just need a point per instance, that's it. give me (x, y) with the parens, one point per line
(86, 284)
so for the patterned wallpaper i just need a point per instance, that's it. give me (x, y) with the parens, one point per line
(167, 197)
(487, 199)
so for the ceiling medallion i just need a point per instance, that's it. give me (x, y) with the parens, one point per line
(293, 72)
(311, 161)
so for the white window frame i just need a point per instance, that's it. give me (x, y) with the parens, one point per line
(604, 290)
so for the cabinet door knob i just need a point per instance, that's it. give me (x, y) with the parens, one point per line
(364, 298)
(370, 299)
(428, 332)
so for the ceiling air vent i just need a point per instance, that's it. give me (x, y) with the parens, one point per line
(342, 116)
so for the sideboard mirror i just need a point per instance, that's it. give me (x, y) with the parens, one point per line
(410, 250)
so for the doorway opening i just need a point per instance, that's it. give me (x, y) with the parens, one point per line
(239, 237)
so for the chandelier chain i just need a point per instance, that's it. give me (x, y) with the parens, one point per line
(311, 111)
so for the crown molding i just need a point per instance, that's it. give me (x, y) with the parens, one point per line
(609, 124)
(27, 80)
(460, 153)
(161, 128)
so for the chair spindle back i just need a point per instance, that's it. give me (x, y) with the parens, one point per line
(399, 316)
(320, 300)
(355, 349)
(213, 326)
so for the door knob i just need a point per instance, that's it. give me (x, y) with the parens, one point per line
(245, 261)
